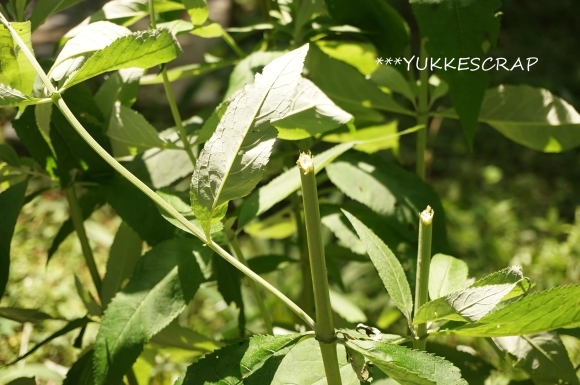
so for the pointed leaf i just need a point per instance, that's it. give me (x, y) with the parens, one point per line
(234, 159)
(143, 49)
(257, 357)
(24, 315)
(121, 86)
(543, 356)
(81, 372)
(245, 71)
(164, 282)
(397, 195)
(446, 275)
(535, 313)
(43, 9)
(197, 9)
(11, 201)
(387, 265)
(533, 117)
(345, 308)
(408, 366)
(131, 128)
(10, 97)
(184, 338)
(17, 71)
(388, 76)
(283, 185)
(312, 113)
(123, 256)
(457, 29)
(186, 71)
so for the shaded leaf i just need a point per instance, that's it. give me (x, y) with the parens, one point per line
(253, 361)
(533, 117)
(535, 313)
(186, 71)
(11, 201)
(283, 185)
(131, 128)
(184, 338)
(81, 372)
(143, 49)
(446, 275)
(268, 263)
(371, 139)
(229, 285)
(164, 281)
(88, 300)
(244, 72)
(43, 9)
(345, 308)
(10, 97)
(543, 356)
(234, 159)
(197, 9)
(473, 367)
(388, 76)
(408, 366)
(24, 315)
(387, 265)
(457, 29)
(123, 256)
(121, 86)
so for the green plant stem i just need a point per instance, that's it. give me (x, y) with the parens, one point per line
(325, 333)
(131, 378)
(307, 293)
(422, 115)
(423, 264)
(235, 245)
(77, 220)
(63, 107)
(171, 98)
(233, 45)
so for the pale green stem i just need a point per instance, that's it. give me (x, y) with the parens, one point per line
(422, 115)
(307, 294)
(233, 45)
(253, 286)
(60, 103)
(423, 264)
(171, 98)
(77, 220)
(325, 333)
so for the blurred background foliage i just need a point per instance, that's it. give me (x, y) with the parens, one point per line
(505, 204)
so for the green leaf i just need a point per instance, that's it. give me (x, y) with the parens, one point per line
(17, 71)
(252, 361)
(24, 315)
(40, 371)
(474, 369)
(76, 51)
(247, 68)
(387, 265)
(345, 308)
(121, 86)
(280, 225)
(184, 338)
(397, 195)
(197, 9)
(186, 71)
(10, 97)
(543, 356)
(70, 326)
(479, 299)
(532, 117)
(135, 208)
(81, 372)
(361, 56)
(388, 76)
(208, 31)
(535, 313)
(457, 29)
(90, 201)
(23, 381)
(131, 128)
(265, 264)
(372, 139)
(167, 165)
(11, 201)
(303, 365)
(347, 87)
(332, 218)
(408, 366)
(88, 300)
(229, 285)
(446, 275)
(123, 256)
(234, 159)
(283, 185)
(378, 19)
(164, 282)
(44, 8)
(143, 49)
(128, 12)
(311, 114)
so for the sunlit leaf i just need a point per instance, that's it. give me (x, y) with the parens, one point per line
(446, 275)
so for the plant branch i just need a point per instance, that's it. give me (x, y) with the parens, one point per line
(63, 107)
(235, 245)
(325, 333)
(77, 220)
(232, 43)
(171, 98)
(423, 264)
(422, 115)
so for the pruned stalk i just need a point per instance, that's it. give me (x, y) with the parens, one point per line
(325, 333)
(423, 263)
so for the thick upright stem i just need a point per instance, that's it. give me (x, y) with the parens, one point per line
(307, 293)
(423, 263)
(77, 219)
(325, 333)
(422, 115)
(253, 286)
(171, 98)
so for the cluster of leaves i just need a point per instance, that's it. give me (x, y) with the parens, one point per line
(315, 91)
